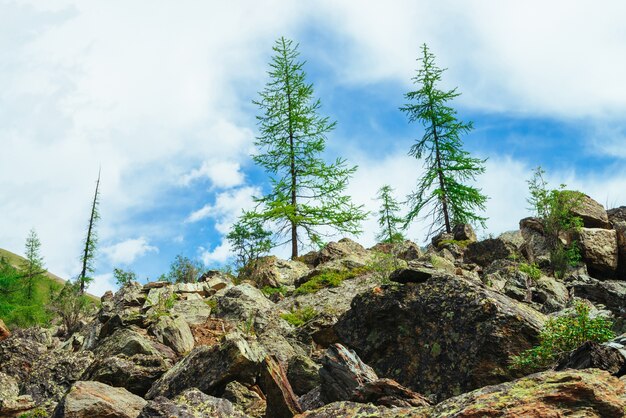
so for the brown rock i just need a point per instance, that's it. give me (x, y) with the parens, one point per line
(95, 399)
(281, 401)
(464, 232)
(599, 250)
(387, 392)
(342, 372)
(336, 250)
(347, 409)
(4, 331)
(592, 213)
(597, 356)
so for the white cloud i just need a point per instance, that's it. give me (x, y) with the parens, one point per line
(227, 207)
(126, 252)
(101, 283)
(222, 174)
(220, 254)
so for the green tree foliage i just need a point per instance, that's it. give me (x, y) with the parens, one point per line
(70, 305)
(249, 240)
(91, 241)
(389, 221)
(554, 208)
(123, 277)
(562, 335)
(443, 187)
(32, 267)
(184, 270)
(307, 193)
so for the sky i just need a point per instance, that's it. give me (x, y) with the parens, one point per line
(158, 95)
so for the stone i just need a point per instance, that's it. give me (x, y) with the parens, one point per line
(347, 409)
(599, 250)
(174, 333)
(464, 232)
(486, 252)
(208, 368)
(4, 331)
(388, 392)
(413, 274)
(190, 404)
(580, 393)
(342, 372)
(95, 399)
(596, 356)
(610, 293)
(406, 250)
(19, 353)
(591, 212)
(336, 250)
(274, 272)
(9, 388)
(281, 401)
(535, 247)
(15, 407)
(136, 373)
(620, 232)
(303, 374)
(130, 342)
(53, 373)
(441, 337)
(246, 400)
(194, 312)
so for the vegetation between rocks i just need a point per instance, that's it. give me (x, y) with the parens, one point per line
(329, 279)
(299, 317)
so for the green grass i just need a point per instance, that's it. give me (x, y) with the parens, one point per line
(269, 290)
(533, 271)
(329, 279)
(299, 317)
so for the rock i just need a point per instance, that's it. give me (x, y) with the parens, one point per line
(588, 393)
(274, 272)
(486, 252)
(591, 212)
(9, 389)
(387, 392)
(194, 312)
(155, 285)
(95, 399)
(174, 333)
(610, 293)
(190, 404)
(346, 409)
(599, 250)
(406, 250)
(447, 329)
(535, 247)
(126, 302)
(4, 331)
(312, 399)
(413, 274)
(336, 250)
(53, 373)
(17, 406)
(281, 401)
(247, 401)
(208, 368)
(617, 218)
(303, 374)
(464, 232)
(19, 353)
(441, 238)
(130, 342)
(596, 356)
(342, 372)
(135, 373)
(216, 280)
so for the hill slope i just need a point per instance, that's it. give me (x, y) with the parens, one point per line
(16, 260)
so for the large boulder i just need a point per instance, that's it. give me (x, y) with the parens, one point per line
(244, 399)
(617, 218)
(174, 333)
(337, 250)
(591, 212)
(348, 409)
(190, 404)
(485, 252)
(569, 393)
(274, 272)
(282, 402)
(194, 312)
(11, 403)
(406, 250)
(441, 337)
(303, 374)
(208, 368)
(592, 355)
(95, 399)
(610, 293)
(20, 352)
(599, 250)
(342, 372)
(535, 247)
(129, 342)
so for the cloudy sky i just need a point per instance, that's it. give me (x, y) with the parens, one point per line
(159, 95)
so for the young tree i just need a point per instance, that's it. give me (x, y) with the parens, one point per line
(390, 222)
(447, 166)
(249, 240)
(32, 266)
(307, 193)
(91, 240)
(184, 270)
(71, 304)
(123, 277)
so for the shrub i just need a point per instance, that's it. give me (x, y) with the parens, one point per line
(562, 335)
(269, 290)
(329, 279)
(299, 317)
(384, 264)
(532, 270)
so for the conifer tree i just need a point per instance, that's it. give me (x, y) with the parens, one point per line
(32, 267)
(390, 222)
(307, 193)
(249, 240)
(91, 240)
(443, 188)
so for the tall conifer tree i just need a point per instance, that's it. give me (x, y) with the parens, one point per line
(443, 187)
(307, 193)
(91, 241)
(32, 267)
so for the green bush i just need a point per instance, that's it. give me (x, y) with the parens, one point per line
(532, 270)
(562, 335)
(269, 290)
(299, 317)
(329, 279)
(384, 264)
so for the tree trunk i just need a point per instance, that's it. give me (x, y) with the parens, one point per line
(292, 168)
(442, 186)
(86, 255)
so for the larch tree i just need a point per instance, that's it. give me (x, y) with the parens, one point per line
(91, 241)
(307, 193)
(443, 189)
(32, 267)
(249, 240)
(389, 219)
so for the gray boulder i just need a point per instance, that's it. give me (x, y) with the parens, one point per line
(190, 404)
(599, 250)
(591, 212)
(95, 399)
(174, 333)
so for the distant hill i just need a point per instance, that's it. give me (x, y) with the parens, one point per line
(16, 260)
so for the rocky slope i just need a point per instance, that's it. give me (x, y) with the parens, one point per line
(343, 332)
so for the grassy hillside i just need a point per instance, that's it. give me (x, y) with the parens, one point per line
(16, 310)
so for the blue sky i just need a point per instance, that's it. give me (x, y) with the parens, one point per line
(160, 95)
